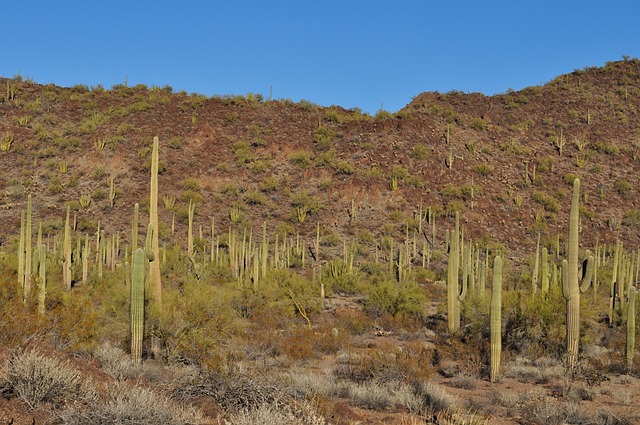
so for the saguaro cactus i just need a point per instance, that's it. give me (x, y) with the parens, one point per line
(570, 286)
(66, 252)
(42, 285)
(154, 268)
(27, 252)
(496, 319)
(452, 279)
(137, 305)
(544, 270)
(631, 327)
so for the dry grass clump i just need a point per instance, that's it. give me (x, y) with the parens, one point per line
(539, 371)
(232, 393)
(433, 398)
(464, 381)
(39, 379)
(132, 405)
(119, 365)
(116, 363)
(542, 409)
(277, 414)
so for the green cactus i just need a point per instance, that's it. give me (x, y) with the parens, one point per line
(452, 277)
(42, 285)
(631, 327)
(66, 252)
(571, 287)
(154, 270)
(614, 282)
(534, 273)
(85, 259)
(496, 319)
(134, 228)
(21, 253)
(155, 283)
(544, 270)
(192, 210)
(148, 247)
(27, 252)
(137, 305)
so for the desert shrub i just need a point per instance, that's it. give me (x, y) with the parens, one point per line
(382, 114)
(478, 124)
(242, 152)
(193, 321)
(259, 166)
(372, 396)
(419, 152)
(531, 324)
(463, 380)
(483, 169)
(322, 137)
(631, 218)
(606, 148)
(253, 197)
(549, 203)
(395, 298)
(622, 186)
(277, 414)
(367, 366)
(116, 363)
(134, 406)
(39, 379)
(233, 392)
(540, 371)
(344, 167)
(300, 158)
(434, 398)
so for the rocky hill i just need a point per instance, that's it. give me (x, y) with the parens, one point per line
(505, 161)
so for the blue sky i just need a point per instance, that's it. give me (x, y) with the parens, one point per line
(351, 53)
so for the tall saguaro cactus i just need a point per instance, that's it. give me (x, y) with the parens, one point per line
(496, 319)
(570, 286)
(453, 320)
(631, 327)
(27, 252)
(155, 283)
(66, 252)
(137, 305)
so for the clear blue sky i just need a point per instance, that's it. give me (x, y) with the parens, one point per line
(351, 53)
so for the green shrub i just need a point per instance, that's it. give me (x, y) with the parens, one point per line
(622, 186)
(322, 137)
(549, 203)
(483, 169)
(419, 152)
(395, 298)
(478, 124)
(631, 218)
(301, 158)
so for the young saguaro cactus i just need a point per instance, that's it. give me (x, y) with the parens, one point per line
(496, 319)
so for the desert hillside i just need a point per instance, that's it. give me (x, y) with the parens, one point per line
(316, 265)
